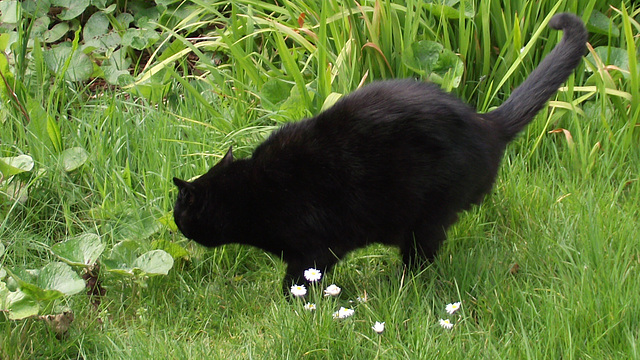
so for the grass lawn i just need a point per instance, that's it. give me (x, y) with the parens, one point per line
(547, 267)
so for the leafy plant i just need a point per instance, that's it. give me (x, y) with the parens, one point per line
(29, 293)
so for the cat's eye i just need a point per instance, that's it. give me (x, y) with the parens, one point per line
(186, 196)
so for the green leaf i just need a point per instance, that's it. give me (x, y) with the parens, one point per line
(122, 256)
(152, 91)
(168, 221)
(274, 92)
(80, 66)
(53, 281)
(426, 53)
(124, 260)
(448, 11)
(20, 305)
(59, 276)
(599, 23)
(56, 32)
(115, 67)
(96, 26)
(43, 126)
(4, 41)
(331, 100)
(295, 107)
(82, 250)
(617, 57)
(4, 292)
(139, 39)
(3, 272)
(10, 166)
(100, 4)
(73, 158)
(96, 34)
(72, 8)
(154, 262)
(36, 8)
(430, 58)
(176, 251)
(4, 69)
(124, 19)
(448, 70)
(40, 26)
(17, 275)
(9, 12)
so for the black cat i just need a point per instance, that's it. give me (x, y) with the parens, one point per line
(391, 163)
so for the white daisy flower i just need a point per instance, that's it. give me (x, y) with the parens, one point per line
(310, 306)
(332, 290)
(343, 313)
(451, 308)
(298, 290)
(446, 324)
(312, 274)
(378, 327)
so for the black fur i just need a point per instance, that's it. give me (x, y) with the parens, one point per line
(392, 163)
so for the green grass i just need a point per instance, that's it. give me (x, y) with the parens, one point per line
(566, 212)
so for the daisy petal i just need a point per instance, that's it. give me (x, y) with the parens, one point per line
(298, 290)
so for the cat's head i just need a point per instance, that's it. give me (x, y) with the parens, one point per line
(197, 211)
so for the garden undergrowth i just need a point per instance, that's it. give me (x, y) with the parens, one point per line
(546, 267)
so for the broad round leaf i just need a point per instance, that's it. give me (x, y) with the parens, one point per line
(18, 276)
(154, 262)
(602, 24)
(56, 32)
(40, 26)
(21, 305)
(448, 11)
(617, 57)
(115, 66)
(10, 166)
(432, 59)
(73, 158)
(122, 256)
(80, 66)
(1, 249)
(124, 260)
(59, 276)
(53, 281)
(8, 12)
(72, 8)
(96, 26)
(139, 39)
(274, 92)
(82, 250)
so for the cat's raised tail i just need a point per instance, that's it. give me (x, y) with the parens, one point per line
(531, 96)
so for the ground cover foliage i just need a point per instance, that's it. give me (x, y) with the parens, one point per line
(103, 102)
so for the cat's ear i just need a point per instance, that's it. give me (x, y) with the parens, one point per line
(228, 158)
(187, 191)
(181, 184)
